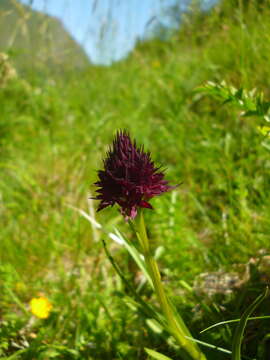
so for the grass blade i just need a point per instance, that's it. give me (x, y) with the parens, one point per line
(233, 321)
(239, 332)
(156, 355)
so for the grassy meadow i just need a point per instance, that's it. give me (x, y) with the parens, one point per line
(213, 230)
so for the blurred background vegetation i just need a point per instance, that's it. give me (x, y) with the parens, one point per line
(59, 112)
(36, 39)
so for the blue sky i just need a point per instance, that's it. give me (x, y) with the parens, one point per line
(107, 29)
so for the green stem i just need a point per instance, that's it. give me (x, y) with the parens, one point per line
(176, 325)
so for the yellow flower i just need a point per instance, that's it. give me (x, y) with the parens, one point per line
(40, 307)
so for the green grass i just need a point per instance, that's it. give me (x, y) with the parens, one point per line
(54, 132)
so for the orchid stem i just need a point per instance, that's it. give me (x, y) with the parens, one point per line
(176, 325)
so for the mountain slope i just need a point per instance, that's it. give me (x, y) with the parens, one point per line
(37, 39)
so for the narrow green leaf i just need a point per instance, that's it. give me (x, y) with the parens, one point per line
(239, 331)
(136, 256)
(156, 355)
(233, 321)
(15, 355)
(239, 93)
(203, 343)
(144, 307)
(16, 299)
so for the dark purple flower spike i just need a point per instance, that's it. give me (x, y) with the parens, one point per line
(129, 178)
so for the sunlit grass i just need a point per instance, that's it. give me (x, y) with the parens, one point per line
(54, 132)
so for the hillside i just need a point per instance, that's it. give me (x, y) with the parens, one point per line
(37, 39)
(212, 231)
